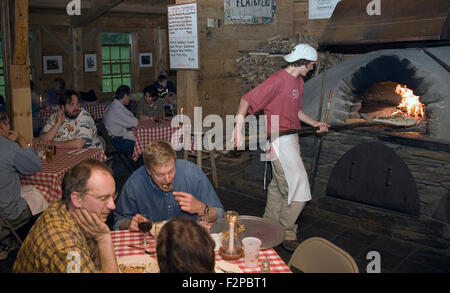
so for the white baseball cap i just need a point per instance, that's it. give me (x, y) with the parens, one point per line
(302, 51)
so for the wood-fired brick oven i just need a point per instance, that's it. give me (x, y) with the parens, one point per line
(393, 181)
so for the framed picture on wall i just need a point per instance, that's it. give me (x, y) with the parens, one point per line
(90, 62)
(145, 59)
(52, 64)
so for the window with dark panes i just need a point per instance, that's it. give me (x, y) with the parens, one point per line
(116, 60)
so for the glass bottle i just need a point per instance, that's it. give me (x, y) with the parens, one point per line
(265, 266)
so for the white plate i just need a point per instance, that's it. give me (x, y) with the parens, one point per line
(156, 227)
(151, 264)
(228, 267)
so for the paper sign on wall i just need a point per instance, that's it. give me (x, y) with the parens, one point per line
(321, 8)
(183, 36)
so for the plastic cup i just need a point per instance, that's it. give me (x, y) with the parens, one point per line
(251, 247)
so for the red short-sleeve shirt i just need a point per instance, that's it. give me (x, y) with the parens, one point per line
(281, 94)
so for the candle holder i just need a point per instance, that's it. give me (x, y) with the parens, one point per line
(231, 247)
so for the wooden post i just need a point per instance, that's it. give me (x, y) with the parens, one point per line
(76, 36)
(36, 61)
(161, 48)
(19, 74)
(187, 83)
(135, 86)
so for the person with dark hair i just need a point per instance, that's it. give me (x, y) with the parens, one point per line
(168, 97)
(16, 157)
(150, 107)
(184, 246)
(71, 236)
(56, 92)
(166, 188)
(119, 121)
(71, 126)
(35, 99)
(2, 103)
(170, 85)
(280, 96)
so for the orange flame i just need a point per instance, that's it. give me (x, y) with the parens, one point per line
(410, 103)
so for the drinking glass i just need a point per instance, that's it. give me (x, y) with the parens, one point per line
(50, 151)
(40, 150)
(145, 227)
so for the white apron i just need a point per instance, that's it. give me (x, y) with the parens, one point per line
(36, 202)
(287, 149)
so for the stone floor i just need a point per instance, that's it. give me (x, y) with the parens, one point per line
(397, 256)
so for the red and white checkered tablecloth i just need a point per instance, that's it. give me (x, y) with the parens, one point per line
(148, 131)
(122, 239)
(96, 110)
(49, 180)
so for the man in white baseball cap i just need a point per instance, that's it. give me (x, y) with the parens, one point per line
(281, 95)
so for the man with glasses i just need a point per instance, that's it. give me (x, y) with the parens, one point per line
(71, 236)
(71, 127)
(166, 188)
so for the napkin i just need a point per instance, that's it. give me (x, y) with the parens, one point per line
(36, 202)
(226, 267)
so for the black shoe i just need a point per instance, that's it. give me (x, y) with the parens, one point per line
(290, 245)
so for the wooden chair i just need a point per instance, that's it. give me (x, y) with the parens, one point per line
(110, 150)
(318, 255)
(213, 155)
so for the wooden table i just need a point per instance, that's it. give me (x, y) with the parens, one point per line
(49, 180)
(123, 238)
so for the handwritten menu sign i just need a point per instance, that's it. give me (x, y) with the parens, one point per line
(183, 38)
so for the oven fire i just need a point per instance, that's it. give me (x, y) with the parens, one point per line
(410, 103)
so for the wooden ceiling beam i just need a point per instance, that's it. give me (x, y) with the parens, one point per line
(131, 7)
(94, 13)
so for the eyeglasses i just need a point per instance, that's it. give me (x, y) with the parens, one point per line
(162, 175)
(104, 198)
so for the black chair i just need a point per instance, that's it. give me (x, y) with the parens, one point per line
(6, 228)
(110, 150)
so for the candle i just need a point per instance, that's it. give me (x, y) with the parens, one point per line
(40, 101)
(181, 113)
(231, 240)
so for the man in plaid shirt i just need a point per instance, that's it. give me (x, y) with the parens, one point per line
(71, 235)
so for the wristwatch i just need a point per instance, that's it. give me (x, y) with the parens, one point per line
(206, 210)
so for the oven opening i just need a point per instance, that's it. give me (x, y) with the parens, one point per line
(394, 102)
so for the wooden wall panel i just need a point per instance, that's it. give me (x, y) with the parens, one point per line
(303, 25)
(219, 87)
(54, 33)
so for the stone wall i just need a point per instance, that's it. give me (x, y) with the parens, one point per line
(431, 172)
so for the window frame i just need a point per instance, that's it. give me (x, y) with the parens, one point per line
(109, 62)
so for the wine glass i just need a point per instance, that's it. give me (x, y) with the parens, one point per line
(145, 226)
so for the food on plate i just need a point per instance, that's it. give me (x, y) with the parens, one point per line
(138, 264)
(132, 269)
